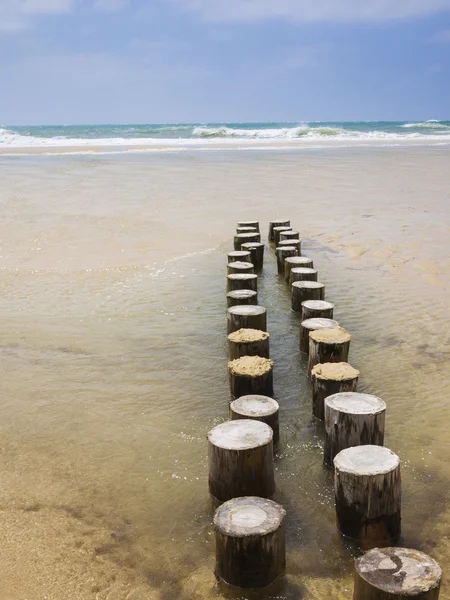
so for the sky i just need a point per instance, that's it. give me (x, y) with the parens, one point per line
(184, 61)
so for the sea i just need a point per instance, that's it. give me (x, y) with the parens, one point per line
(114, 352)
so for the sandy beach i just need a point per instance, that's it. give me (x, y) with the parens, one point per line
(113, 350)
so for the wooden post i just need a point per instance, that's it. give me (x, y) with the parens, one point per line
(248, 342)
(250, 542)
(277, 231)
(289, 235)
(352, 419)
(328, 346)
(317, 309)
(368, 493)
(242, 281)
(261, 408)
(246, 230)
(241, 460)
(309, 325)
(296, 243)
(292, 262)
(396, 574)
(251, 375)
(246, 317)
(254, 224)
(302, 274)
(306, 290)
(240, 255)
(239, 266)
(241, 297)
(328, 379)
(283, 252)
(277, 223)
(256, 250)
(241, 238)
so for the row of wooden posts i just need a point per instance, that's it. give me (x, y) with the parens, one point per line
(249, 527)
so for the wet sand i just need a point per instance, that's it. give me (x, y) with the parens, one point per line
(113, 301)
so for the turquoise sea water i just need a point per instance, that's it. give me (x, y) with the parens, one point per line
(86, 135)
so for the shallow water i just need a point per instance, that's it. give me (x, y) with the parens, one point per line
(114, 358)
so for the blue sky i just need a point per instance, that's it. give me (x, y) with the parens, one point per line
(129, 61)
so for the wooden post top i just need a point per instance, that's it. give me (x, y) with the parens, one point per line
(242, 276)
(279, 222)
(241, 434)
(287, 248)
(297, 260)
(303, 270)
(399, 571)
(255, 405)
(292, 242)
(247, 235)
(282, 228)
(249, 310)
(251, 366)
(335, 335)
(319, 322)
(316, 304)
(239, 264)
(248, 223)
(248, 515)
(246, 335)
(366, 460)
(355, 403)
(250, 245)
(334, 371)
(308, 284)
(241, 294)
(239, 254)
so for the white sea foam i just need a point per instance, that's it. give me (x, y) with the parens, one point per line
(431, 124)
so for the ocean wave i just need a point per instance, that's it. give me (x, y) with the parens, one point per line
(431, 124)
(299, 131)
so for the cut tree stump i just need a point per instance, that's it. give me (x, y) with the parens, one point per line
(368, 494)
(261, 408)
(293, 262)
(296, 243)
(309, 325)
(251, 375)
(328, 379)
(396, 574)
(328, 345)
(241, 460)
(246, 317)
(250, 542)
(289, 235)
(241, 238)
(239, 266)
(302, 274)
(306, 290)
(256, 250)
(317, 309)
(277, 223)
(277, 231)
(242, 281)
(283, 252)
(248, 342)
(240, 297)
(352, 419)
(240, 255)
(254, 224)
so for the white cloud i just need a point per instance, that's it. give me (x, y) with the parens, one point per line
(441, 37)
(110, 5)
(312, 10)
(17, 14)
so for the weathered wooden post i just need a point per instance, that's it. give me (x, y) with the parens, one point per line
(317, 309)
(248, 342)
(296, 243)
(250, 542)
(242, 281)
(352, 419)
(292, 262)
(241, 297)
(328, 346)
(309, 325)
(289, 235)
(368, 493)
(239, 266)
(328, 379)
(306, 290)
(283, 252)
(251, 375)
(302, 274)
(396, 574)
(240, 255)
(277, 223)
(261, 408)
(256, 250)
(254, 224)
(276, 233)
(241, 460)
(246, 317)
(246, 230)
(241, 238)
